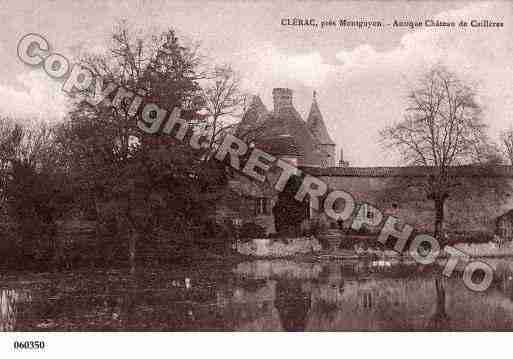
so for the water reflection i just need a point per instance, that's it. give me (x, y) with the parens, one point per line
(270, 295)
(10, 299)
(440, 319)
(293, 304)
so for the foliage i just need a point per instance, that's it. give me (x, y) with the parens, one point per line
(33, 186)
(99, 163)
(151, 181)
(288, 212)
(252, 230)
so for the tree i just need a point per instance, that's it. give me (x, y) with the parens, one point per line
(442, 128)
(223, 101)
(6, 149)
(507, 144)
(151, 180)
(33, 184)
(288, 212)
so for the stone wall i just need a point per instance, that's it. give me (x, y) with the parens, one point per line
(474, 209)
(239, 201)
(267, 247)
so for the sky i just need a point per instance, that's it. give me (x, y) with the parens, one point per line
(361, 76)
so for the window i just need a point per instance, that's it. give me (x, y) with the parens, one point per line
(367, 299)
(365, 212)
(261, 206)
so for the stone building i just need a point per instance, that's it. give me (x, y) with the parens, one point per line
(307, 144)
(285, 134)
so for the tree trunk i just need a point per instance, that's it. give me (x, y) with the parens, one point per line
(439, 219)
(132, 241)
(440, 318)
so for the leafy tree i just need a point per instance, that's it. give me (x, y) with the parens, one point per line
(149, 180)
(288, 212)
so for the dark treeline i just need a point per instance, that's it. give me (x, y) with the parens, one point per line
(142, 191)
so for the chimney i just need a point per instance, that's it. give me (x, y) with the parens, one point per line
(282, 98)
(341, 162)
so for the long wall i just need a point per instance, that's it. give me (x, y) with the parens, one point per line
(472, 208)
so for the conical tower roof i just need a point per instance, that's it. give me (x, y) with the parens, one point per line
(255, 115)
(315, 124)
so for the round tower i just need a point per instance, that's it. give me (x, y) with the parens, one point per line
(316, 125)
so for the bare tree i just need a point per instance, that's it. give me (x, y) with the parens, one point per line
(30, 183)
(507, 144)
(31, 145)
(224, 102)
(442, 128)
(6, 150)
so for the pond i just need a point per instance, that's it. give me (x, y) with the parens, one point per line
(260, 295)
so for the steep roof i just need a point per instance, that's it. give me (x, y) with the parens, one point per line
(279, 146)
(316, 125)
(417, 171)
(259, 124)
(254, 116)
(288, 121)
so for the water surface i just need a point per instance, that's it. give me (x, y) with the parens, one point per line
(262, 295)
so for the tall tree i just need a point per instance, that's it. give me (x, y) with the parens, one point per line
(117, 162)
(223, 101)
(32, 183)
(442, 128)
(288, 212)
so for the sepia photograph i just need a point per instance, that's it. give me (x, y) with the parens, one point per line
(254, 166)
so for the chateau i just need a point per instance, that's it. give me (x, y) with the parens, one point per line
(307, 144)
(283, 133)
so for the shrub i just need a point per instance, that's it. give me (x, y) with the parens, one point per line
(360, 232)
(252, 230)
(210, 229)
(228, 230)
(214, 229)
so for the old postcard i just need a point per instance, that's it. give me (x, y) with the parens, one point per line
(205, 166)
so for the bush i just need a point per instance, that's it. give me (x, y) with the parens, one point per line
(210, 229)
(229, 229)
(252, 230)
(363, 231)
(313, 228)
(213, 229)
(274, 235)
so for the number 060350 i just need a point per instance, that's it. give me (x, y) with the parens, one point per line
(29, 345)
